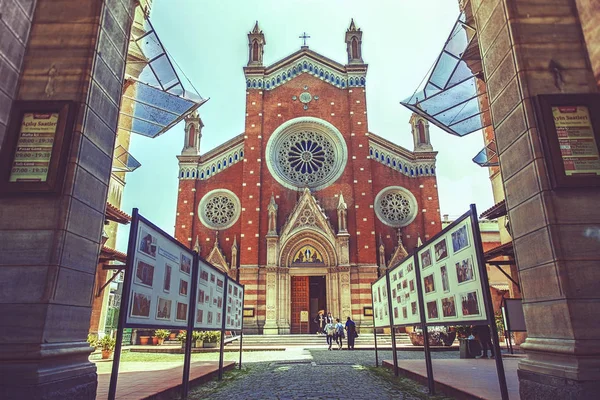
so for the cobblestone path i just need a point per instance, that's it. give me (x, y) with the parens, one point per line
(309, 374)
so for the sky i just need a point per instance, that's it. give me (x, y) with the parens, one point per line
(208, 40)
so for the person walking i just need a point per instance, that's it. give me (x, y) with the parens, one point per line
(339, 333)
(482, 333)
(351, 331)
(330, 333)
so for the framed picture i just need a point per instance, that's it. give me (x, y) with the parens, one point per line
(163, 308)
(220, 284)
(432, 310)
(411, 284)
(426, 259)
(186, 264)
(460, 239)
(140, 305)
(404, 284)
(144, 274)
(413, 308)
(470, 304)
(404, 313)
(199, 316)
(147, 243)
(203, 277)
(210, 318)
(441, 251)
(200, 296)
(429, 283)
(182, 310)
(249, 312)
(394, 293)
(213, 278)
(448, 307)
(396, 314)
(410, 267)
(167, 278)
(445, 281)
(465, 271)
(183, 287)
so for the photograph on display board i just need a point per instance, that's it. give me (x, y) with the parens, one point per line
(470, 304)
(210, 318)
(432, 310)
(229, 290)
(465, 271)
(200, 296)
(183, 287)
(396, 314)
(213, 278)
(144, 274)
(140, 305)
(147, 243)
(394, 293)
(404, 284)
(167, 278)
(426, 259)
(199, 316)
(218, 322)
(203, 277)
(448, 307)
(441, 250)
(220, 284)
(412, 285)
(413, 308)
(410, 267)
(163, 308)
(460, 239)
(429, 284)
(394, 277)
(182, 310)
(401, 273)
(404, 313)
(445, 280)
(186, 264)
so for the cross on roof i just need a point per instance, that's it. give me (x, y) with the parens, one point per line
(304, 37)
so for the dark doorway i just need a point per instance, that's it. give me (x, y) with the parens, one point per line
(317, 300)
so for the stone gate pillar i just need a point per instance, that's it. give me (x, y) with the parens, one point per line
(530, 48)
(49, 243)
(272, 302)
(344, 293)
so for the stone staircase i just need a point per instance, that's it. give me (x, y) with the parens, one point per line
(364, 340)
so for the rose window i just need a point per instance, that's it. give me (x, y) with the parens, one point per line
(396, 206)
(219, 209)
(306, 153)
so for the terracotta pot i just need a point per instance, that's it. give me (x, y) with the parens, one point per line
(161, 341)
(106, 354)
(172, 336)
(154, 340)
(144, 340)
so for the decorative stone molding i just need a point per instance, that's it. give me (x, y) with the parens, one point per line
(219, 209)
(207, 169)
(306, 152)
(401, 164)
(396, 206)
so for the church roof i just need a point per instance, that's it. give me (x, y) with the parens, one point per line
(398, 158)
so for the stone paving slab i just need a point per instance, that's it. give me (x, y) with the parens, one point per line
(141, 380)
(464, 378)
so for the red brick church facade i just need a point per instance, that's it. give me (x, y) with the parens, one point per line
(307, 206)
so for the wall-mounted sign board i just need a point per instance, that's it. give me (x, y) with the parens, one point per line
(34, 154)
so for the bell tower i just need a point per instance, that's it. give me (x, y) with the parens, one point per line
(256, 44)
(354, 44)
(420, 130)
(193, 134)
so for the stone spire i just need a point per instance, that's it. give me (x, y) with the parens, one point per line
(419, 127)
(197, 245)
(256, 44)
(354, 44)
(382, 262)
(234, 252)
(272, 215)
(399, 252)
(193, 134)
(342, 211)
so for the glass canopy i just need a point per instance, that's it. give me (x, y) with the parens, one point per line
(157, 99)
(450, 98)
(123, 161)
(487, 157)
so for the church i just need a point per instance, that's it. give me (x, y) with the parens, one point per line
(307, 206)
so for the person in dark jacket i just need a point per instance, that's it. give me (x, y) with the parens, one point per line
(482, 333)
(351, 330)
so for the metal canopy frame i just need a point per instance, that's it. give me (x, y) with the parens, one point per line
(488, 156)
(123, 161)
(451, 98)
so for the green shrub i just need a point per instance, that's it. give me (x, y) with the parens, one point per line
(162, 333)
(107, 343)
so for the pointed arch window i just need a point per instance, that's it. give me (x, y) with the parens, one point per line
(355, 48)
(421, 129)
(255, 51)
(191, 136)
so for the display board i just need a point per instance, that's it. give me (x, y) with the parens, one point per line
(235, 306)
(405, 300)
(160, 280)
(210, 297)
(512, 312)
(450, 276)
(380, 303)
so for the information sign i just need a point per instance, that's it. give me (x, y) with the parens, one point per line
(235, 306)
(210, 298)
(380, 303)
(405, 300)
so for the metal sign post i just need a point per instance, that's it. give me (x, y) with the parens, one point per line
(393, 331)
(187, 359)
(488, 303)
(428, 364)
(374, 329)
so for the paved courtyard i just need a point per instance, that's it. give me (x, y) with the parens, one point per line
(314, 374)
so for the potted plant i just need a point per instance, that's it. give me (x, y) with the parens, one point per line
(161, 335)
(181, 337)
(197, 339)
(144, 340)
(92, 339)
(211, 338)
(107, 344)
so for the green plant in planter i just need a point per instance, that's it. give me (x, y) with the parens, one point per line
(197, 335)
(211, 336)
(92, 339)
(162, 333)
(107, 343)
(182, 336)
(499, 323)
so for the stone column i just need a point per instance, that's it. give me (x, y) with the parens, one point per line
(557, 256)
(283, 309)
(272, 294)
(344, 293)
(49, 243)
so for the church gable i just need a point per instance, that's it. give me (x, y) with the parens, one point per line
(217, 258)
(307, 214)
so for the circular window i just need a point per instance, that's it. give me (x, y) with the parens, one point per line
(306, 152)
(219, 209)
(395, 206)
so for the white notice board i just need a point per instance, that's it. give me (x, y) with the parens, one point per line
(450, 276)
(210, 297)
(235, 306)
(161, 281)
(405, 300)
(380, 303)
